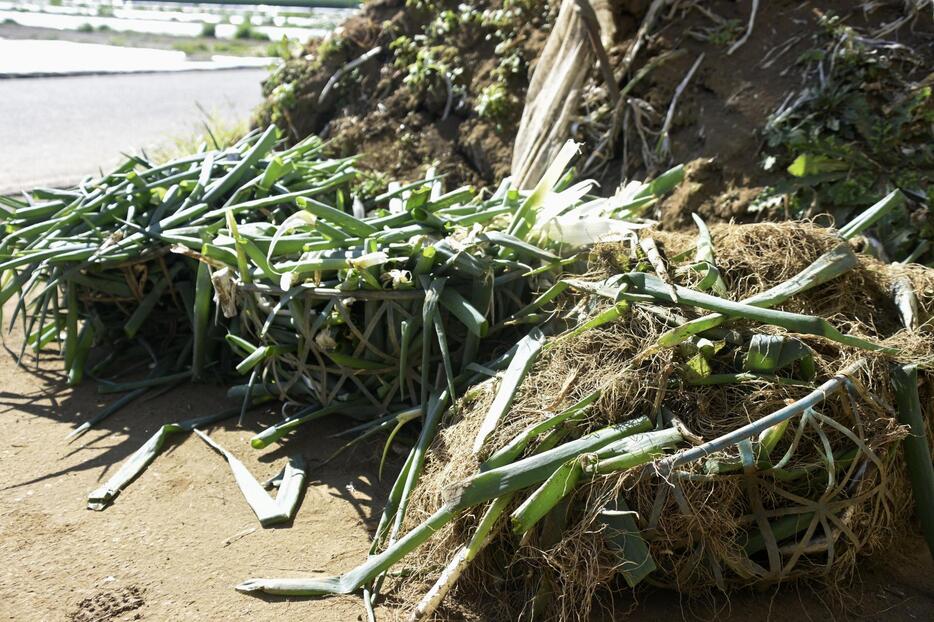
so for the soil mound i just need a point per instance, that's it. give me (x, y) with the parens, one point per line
(795, 110)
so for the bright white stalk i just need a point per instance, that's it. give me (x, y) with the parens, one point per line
(298, 219)
(525, 217)
(575, 232)
(369, 260)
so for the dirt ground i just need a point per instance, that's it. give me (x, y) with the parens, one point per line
(174, 544)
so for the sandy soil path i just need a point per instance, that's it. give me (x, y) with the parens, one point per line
(176, 542)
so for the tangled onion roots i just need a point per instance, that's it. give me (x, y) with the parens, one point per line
(845, 480)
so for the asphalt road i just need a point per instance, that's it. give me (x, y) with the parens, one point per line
(53, 131)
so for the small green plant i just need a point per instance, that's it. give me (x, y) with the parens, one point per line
(281, 98)
(369, 184)
(284, 48)
(85, 27)
(434, 67)
(105, 10)
(245, 32)
(192, 48)
(725, 33)
(428, 68)
(209, 29)
(330, 47)
(496, 103)
(216, 131)
(424, 5)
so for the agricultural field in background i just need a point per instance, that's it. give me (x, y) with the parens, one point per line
(199, 30)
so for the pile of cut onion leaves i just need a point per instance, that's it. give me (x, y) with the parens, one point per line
(257, 265)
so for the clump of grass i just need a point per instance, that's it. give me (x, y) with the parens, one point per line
(235, 47)
(216, 132)
(496, 103)
(192, 48)
(246, 32)
(331, 47)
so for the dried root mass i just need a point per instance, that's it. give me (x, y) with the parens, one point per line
(829, 489)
